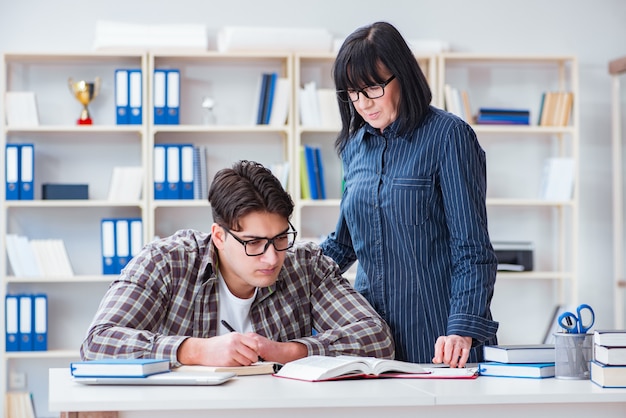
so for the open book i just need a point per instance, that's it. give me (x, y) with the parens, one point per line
(262, 367)
(321, 368)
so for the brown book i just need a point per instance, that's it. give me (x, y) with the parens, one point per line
(567, 108)
(262, 367)
(467, 109)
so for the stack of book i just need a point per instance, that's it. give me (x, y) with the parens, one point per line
(502, 116)
(38, 257)
(528, 361)
(608, 367)
(555, 108)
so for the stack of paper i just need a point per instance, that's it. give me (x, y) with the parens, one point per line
(111, 35)
(246, 38)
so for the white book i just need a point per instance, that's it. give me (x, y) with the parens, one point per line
(39, 248)
(328, 109)
(558, 179)
(126, 184)
(65, 266)
(281, 171)
(21, 109)
(27, 258)
(13, 254)
(309, 105)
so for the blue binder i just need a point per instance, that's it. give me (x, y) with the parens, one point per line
(320, 173)
(160, 168)
(159, 97)
(311, 168)
(172, 172)
(40, 322)
(26, 322)
(122, 243)
(12, 172)
(121, 97)
(173, 97)
(11, 322)
(186, 171)
(27, 171)
(134, 97)
(107, 237)
(265, 80)
(270, 98)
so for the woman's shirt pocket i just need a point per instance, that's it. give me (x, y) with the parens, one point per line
(410, 198)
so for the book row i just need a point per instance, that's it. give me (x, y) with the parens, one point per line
(318, 107)
(312, 173)
(555, 109)
(26, 322)
(37, 257)
(129, 93)
(273, 100)
(122, 239)
(180, 171)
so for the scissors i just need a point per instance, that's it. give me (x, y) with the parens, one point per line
(575, 323)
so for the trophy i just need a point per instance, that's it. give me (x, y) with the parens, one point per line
(84, 92)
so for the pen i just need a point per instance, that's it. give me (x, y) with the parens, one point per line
(231, 329)
(228, 326)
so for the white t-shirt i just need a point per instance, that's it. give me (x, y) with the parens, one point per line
(234, 310)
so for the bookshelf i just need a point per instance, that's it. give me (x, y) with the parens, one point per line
(65, 153)
(516, 156)
(68, 153)
(231, 80)
(617, 69)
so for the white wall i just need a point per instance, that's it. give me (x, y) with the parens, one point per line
(593, 31)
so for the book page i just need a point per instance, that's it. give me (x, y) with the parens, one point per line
(314, 368)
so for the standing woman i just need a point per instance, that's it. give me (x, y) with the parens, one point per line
(413, 211)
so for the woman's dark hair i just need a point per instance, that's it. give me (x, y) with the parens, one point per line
(358, 64)
(245, 188)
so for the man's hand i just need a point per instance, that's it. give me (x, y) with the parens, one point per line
(232, 349)
(452, 350)
(235, 349)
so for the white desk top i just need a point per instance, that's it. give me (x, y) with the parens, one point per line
(270, 396)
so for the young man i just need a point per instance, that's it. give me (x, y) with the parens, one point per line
(182, 297)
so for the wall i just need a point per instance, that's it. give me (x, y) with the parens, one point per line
(595, 33)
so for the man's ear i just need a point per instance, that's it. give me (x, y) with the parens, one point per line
(218, 235)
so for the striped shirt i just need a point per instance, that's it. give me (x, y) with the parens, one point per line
(413, 214)
(169, 292)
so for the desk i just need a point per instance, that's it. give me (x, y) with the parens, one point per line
(267, 396)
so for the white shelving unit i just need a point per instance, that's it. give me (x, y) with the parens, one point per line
(515, 169)
(617, 68)
(232, 81)
(66, 153)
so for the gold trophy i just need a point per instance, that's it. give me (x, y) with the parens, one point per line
(84, 92)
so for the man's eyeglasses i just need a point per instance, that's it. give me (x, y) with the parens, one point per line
(371, 92)
(258, 246)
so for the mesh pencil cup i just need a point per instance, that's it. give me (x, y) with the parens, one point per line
(572, 355)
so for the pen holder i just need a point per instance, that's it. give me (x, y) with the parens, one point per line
(572, 355)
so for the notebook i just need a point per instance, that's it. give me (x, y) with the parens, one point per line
(162, 379)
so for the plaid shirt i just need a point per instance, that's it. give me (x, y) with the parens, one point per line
(169, 292)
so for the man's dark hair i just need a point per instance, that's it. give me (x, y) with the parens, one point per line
(358, 64)
(245, 188)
